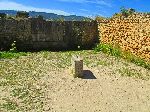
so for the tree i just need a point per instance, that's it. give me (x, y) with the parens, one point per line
(126, 12)
(131, 11)
(22, 14)
(40, 17)
(3, 15)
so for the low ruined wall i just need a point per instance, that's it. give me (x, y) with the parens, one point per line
(131, 34)
(38, 34)
(13, 30)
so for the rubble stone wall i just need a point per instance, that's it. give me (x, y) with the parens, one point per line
(39, 34)
(131, 34)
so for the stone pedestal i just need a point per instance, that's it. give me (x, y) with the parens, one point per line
(77, 66)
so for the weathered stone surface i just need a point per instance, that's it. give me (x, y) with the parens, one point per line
(131, 34)
(77, 66)
(38, 34)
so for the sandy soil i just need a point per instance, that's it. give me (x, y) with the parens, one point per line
(108, 85)
(96, 92)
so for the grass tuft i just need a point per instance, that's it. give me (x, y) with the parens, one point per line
(10, 55)
(132, 73)
(117, 52)
(106, 48)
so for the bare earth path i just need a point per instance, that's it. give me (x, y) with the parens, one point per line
(109, 85)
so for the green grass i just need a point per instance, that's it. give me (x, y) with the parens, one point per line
(9, 105)
(117, 52)
(10, 55)
(104, 63)
(132, 73)
(105, 48)
(19, 77)
(134, 59)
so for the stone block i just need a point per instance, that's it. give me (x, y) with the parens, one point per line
(77, 66)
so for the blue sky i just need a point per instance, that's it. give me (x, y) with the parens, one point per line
(89, 8)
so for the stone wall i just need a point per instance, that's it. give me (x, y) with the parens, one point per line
(39, 34)
(131, 33)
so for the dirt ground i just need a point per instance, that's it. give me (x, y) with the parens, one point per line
(113, 85)
(97, 92)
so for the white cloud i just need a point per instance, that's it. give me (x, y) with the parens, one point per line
(77, 1)
(99, 2)
(8, 5)
(85, 10)
(88, 13)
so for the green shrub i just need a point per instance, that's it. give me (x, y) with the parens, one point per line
(106, 48)
(126, 12)
(3, 15)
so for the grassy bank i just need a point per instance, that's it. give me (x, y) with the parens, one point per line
(117, 52)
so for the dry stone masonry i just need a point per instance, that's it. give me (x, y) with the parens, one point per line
(131, 33)
(39, 34)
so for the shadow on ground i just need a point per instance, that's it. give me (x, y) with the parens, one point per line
(87, 74)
